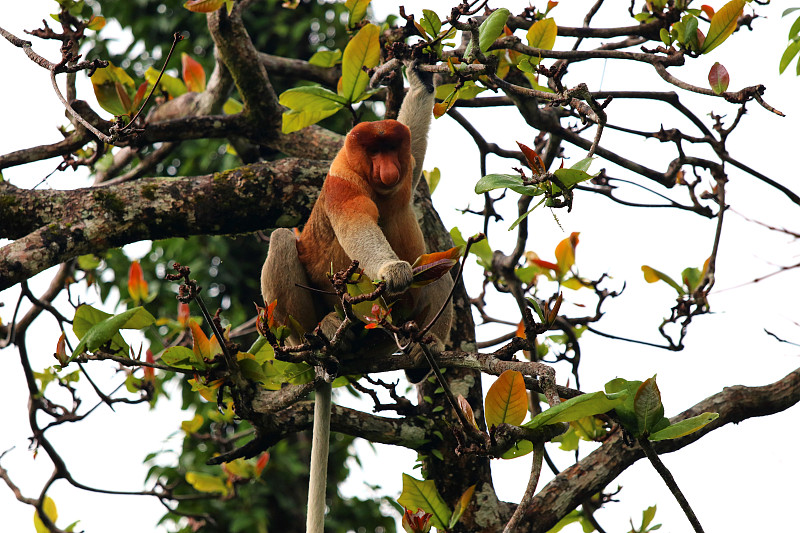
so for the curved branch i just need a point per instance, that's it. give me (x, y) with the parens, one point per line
(589, 476)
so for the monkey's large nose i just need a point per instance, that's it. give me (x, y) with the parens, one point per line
(386, 168)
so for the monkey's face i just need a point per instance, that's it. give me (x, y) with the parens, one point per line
(381, 153)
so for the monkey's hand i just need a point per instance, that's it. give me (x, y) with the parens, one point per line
(419, 78)
(397, 275)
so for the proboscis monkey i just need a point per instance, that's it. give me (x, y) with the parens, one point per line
(363, 213)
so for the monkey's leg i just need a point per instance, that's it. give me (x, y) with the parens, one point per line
(281, 272)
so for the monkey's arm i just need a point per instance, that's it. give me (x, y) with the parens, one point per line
(354, 219)
(416, 113)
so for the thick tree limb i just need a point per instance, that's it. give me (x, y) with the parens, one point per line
(54, 226)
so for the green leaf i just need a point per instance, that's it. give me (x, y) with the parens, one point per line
(363, 50)
(468, 91)
(50, 511)
(430, 22)
(520, 448)
(88, 262)
(788, 55)
(481, 249)
(432, 178)
(691, 278)
(647, 405)
(95, 328)
(569, 177)
(169, 84)
(113, 89)
(492, 28)
(684, 427)
(665, 38)
(423, 495)
(206, 482)
(524, 215)
(581, 406)
(625, 411)
(723, 24)
(325, 58)
(491, 182)
(647, 517)
(181, 357)
(795, 29)
(308, 105)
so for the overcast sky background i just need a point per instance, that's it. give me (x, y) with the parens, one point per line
(739, 478)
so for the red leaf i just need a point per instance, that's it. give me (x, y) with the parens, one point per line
(139, 97)
(708, 10)
(718, 78)
(545, 264)
(193, 74)
(149, 371)
(535, 162)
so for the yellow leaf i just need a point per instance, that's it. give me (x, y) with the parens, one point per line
(507, 400)
(49, 510)
(193, 425)
(206, 482)
(565, 253)
(203, 6)
(723, 24)
(542, 35)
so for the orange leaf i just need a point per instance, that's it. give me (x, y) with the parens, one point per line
(61, 350)
(521, 330)
(261, 463)
(430, 267)
(137, 286)
(440, 109)
(507, 400)
(203, 348)
(535, 162)
(565, 253)
(183, 314)
(466, 408)
(193, 74)
(708, 10)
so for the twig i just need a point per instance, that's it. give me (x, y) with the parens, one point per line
(666, 475)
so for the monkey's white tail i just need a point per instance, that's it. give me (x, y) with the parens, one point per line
(318, 476)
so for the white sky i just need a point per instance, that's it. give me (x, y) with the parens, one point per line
(753, 461)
